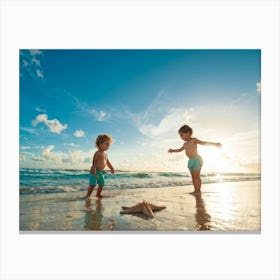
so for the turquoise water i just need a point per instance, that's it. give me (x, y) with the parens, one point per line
(58, 181)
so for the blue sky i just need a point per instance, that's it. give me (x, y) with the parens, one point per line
(141, 98)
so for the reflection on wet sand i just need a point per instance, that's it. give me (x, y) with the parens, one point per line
(232, 206)
(93, 217)
(202, 218)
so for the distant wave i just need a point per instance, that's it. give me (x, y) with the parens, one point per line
(36, 181)
(71, 172)
(120, 174)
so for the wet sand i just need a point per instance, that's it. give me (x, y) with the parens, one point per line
(225, 207)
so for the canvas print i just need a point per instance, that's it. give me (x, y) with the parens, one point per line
(147, 140)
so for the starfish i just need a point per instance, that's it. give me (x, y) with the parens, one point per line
(144, 207)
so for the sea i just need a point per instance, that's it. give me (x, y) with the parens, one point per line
(39, 181)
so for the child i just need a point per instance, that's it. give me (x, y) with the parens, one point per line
(195, 161)
(99, 162)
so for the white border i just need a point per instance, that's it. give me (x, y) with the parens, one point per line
(153, 24)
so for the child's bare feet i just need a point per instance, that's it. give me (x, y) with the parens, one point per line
(99, 196)
(195, 192)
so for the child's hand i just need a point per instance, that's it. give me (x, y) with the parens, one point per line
(112, 171)
(170, 151)
(92, 170)
(218, 145)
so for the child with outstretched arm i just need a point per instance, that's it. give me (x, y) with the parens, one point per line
(195, 160)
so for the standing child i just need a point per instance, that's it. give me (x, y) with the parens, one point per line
(99, 162)
(195, 161)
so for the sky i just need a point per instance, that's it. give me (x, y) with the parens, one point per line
(141, 98)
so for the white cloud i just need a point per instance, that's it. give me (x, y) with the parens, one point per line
(48, 155)
(161, 118)
(36, 158)
(79, 133)
(47, 152)
(155, 109)
(70, 144)
(75, 157)
(40, 110)
(29, 130)
(25, 147)
(35, 52)
(36, 61)
(58, 158)
(39, 74)
(50, 158)
(31, 63)
(22, 158)
(241, 99)
(54, 125)
(170, 123)
(258, 87)
(99, 115)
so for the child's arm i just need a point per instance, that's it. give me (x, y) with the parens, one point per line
(93, 167)
(110, 166)
(176, 150)
(219, 145)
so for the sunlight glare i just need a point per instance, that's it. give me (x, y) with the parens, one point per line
(214, 160)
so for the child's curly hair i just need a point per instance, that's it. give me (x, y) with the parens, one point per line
(102, 138)
(185, 128)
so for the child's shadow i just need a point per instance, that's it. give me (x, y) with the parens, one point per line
(202, 218)
(94, 217)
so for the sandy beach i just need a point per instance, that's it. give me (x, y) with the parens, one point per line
(231, 206)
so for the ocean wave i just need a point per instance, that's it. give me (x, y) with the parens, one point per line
(128, 185)
(55, 181)
(51, 189)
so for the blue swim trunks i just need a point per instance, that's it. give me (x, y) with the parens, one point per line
(195, 163)
(97, 179)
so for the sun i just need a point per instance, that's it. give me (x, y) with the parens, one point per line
(214, 159)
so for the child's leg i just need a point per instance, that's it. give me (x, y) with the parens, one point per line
(196, 180)
(99, 190)
(90, 189)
